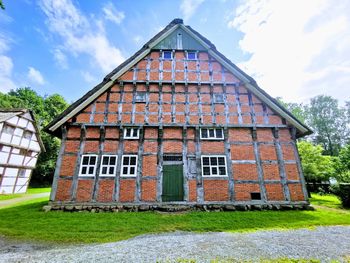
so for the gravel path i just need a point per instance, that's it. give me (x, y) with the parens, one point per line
(26, 197)
(323, 243)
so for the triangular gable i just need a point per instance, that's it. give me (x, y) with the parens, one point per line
(166, 39)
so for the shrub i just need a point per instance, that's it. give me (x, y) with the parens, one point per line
(342, 190)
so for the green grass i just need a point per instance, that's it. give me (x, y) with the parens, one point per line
(325, 200)
(38, 190)
(4, 197)
(26, 221)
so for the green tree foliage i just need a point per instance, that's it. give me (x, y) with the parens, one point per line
(316, 167)
(2, 5)
(297, 109)
(328, 122)
(45, 108)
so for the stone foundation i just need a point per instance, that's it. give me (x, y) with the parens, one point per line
(98, 208)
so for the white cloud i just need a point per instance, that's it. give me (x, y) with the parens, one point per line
(112, 14)
(79, 35)
(189, 7)
(6, 67)
(60, 58)
(35, 76)
(88, 77)
(137, 39)
(299, 49)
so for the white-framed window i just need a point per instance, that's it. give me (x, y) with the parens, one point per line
(167, 55)
(218, 98)
(8, 129)
(129, 165)
(131, 133)
(191, 55)
(214, 165)
(212, 134)
(140, 96)
(88, 165)
(108, 165)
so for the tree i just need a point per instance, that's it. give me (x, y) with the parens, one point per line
(297, 109)
(316, 167)
(2, 5)
(45, 108)
(328, 122)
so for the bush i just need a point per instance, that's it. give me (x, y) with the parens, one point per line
(342, 190)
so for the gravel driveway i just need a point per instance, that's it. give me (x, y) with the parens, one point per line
(324, 243)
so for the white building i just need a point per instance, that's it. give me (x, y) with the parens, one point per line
(20, 145)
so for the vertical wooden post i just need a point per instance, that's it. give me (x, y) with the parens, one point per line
(58, 165)
(139, 166)
(119, 165)
(200, 190)
(77, 165)
(229, 165)
(185, 164)
(160, 165)
(99, 159)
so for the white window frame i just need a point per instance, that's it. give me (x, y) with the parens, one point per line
(192, 52)
(167, 58)
(88, 165)
(129, 166)
(215, 136)
(139, 97)
(108, 165)
(219, 102)
(217, 166)
(131, 137)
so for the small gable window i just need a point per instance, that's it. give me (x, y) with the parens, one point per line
(167, 55)
(191, 55)
(218, 98)
(212, 134)
(131, 133)
(140, 96)
(88, 165)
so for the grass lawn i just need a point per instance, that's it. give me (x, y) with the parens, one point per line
(325, 200)
(7, 197)
(26, 221)
(38, 190)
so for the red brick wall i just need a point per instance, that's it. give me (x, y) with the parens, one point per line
(105, 190)
(84, 191)
(192, 190)
(63, 190)
(274, 192)
(243, 191)
(215, 190)
(127, 190)
(296, 192)
(149, 190)
(245, 171)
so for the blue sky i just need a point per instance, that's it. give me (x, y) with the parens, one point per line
(294, 49)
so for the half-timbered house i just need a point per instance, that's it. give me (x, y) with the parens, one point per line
(20, 145)
(177, 123)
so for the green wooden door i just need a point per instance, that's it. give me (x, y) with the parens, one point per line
(172, 183)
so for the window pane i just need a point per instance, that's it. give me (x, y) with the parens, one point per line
(221, 160)
(83, 170)
(222, 170)
(125, 170)
(206, 170)
(167, 54)
(211, 133)
(128, 132)
(92, 160)
(204, 133)
(219, 98)
(191, 55)
(219, 133)
(205, 160)
(111, 170)
(105, 160)
(112, 160)
(104, 170)
(126, 160)
(134, 132)
(132, 170)
(91, 170)
(213, 161)
(85, 160)
(132, 160)
(214, 170)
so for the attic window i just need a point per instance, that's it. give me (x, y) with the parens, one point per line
(218, 98)
(191, 55)
(167, 55)
(140, 96)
